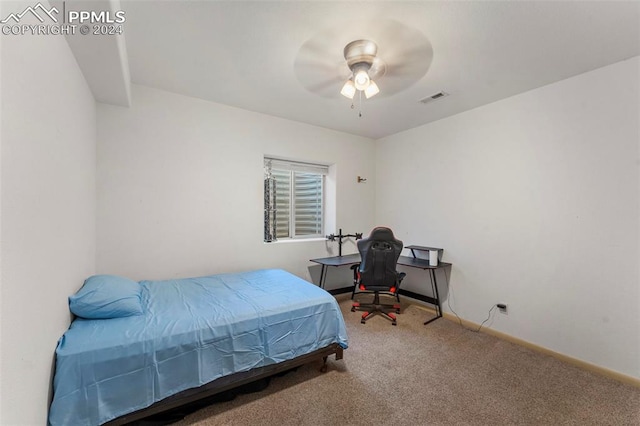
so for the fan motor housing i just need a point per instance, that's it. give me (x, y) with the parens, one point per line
(360, 52)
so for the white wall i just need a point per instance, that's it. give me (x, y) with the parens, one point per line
(1, 399)
(180, 187)
(535, 201)
(47, 249)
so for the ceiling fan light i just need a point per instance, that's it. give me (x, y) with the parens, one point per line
(371, 90)
(361, 79)
(348, 90)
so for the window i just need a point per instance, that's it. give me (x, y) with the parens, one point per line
(293, 199)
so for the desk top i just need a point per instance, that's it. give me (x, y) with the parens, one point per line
(352, 259)
(420, 263)
(347, 259)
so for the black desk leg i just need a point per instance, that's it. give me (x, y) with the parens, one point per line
(434, 287)
(323, 276)
(354, 268)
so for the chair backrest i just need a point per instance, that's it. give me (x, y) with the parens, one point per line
(379, 254)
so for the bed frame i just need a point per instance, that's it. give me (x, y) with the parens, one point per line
(229, 382)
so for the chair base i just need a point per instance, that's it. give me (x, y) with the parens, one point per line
(376, 308)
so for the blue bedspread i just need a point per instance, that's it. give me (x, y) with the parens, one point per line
(192, 331)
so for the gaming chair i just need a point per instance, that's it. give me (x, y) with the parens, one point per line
(377, 273)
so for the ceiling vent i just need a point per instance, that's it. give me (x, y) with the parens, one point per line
(433, 97)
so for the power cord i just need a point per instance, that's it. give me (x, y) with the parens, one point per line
(488, 316)
(460, 319)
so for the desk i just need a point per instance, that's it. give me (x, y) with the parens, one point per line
(412, 262)
(349, 259)
(423, 264)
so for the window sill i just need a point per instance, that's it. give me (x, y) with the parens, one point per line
(297, 240)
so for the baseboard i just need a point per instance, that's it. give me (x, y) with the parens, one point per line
(565, 358)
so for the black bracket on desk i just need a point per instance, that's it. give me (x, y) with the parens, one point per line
(340, 236)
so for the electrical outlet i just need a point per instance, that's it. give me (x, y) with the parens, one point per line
(502, 307)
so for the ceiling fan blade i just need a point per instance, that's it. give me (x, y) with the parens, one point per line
(407, 65)
(316, 66)
(325, 80)
(318, 49)
(328, 88)
(319, 69)
(410, 69)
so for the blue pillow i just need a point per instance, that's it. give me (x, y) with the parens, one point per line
(106, 296)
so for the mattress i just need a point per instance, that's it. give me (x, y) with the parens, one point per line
(192, 331)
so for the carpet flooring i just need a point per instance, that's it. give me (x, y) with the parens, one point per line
(439, 374)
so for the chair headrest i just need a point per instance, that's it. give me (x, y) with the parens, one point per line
(382, 234)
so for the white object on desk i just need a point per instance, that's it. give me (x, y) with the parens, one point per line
(433, 257)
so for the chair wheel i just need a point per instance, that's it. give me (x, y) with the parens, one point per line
(394, 323)
(353, 309)
(362, 321)
(397, 311)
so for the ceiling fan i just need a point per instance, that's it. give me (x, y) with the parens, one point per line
(365, 65)
(382, 57)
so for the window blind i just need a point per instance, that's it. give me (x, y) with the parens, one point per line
(296, 166)
(308, 203)
(295, 209)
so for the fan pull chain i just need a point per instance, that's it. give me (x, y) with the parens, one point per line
(353, 106)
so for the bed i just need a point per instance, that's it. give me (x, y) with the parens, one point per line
(158, 344)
